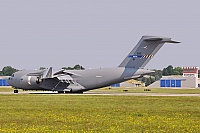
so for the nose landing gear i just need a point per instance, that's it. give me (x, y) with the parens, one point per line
(15, 91)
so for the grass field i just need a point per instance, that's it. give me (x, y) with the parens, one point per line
(131, 90)
(6, 89)
(81, 113)
(152, 90)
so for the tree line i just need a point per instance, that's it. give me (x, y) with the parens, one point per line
(8, 70)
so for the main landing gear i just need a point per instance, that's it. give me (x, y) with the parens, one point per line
(67, 92)
(61, 92)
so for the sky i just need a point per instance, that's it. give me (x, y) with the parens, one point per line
(96, 33)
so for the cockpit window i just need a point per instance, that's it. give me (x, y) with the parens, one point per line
(12, 75)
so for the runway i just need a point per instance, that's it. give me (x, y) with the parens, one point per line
(100, 93)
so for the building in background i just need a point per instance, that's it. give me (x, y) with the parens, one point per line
(3, 81)
(129, 83)
(189, 79)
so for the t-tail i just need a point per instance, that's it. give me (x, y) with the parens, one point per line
(144, 51)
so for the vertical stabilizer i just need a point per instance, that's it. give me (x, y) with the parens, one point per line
(144, 51)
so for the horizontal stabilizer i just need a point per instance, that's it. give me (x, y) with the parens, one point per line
(153, 39)
(140, 73)
(172, 41)
(162, 39)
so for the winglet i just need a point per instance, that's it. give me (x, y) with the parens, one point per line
(49, 73)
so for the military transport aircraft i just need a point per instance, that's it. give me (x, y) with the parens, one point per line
(78, 81)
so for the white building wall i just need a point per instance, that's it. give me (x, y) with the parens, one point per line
(189, 82)
(186, 82)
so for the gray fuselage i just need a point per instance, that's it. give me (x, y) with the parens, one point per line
(88, 79)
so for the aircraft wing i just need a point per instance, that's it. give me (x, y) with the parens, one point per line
(39, 73)
(64, 72)
(59, 81)
(54, 84)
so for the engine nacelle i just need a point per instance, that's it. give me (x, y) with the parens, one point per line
(30, 80)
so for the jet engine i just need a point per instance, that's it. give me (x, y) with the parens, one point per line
(39, 80)
(30, 80)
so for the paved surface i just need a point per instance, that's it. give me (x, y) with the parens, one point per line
(141, 94)
(101, 93)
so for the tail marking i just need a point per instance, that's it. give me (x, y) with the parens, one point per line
(140, 56)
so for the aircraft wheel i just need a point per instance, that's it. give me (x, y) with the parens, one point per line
(79, 92)
(61, 92)
(15, 91)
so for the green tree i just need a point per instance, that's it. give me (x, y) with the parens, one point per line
(67, 68)
(172, 71)
(143, 79)
(168, 71)
(76, 67)
(157, 77)
(148, 82)
(164, 72)
(178, 71)
(42, 68)
(1, 73)
(157, 74)
(152, 79)
(8, 71)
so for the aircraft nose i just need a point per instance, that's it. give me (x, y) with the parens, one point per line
(9, 81)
